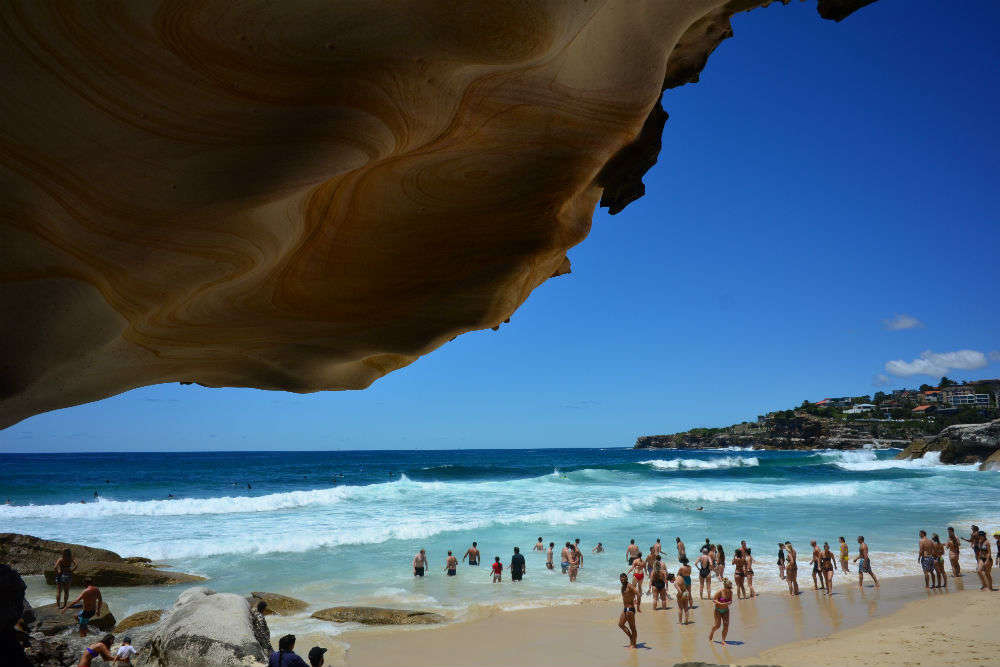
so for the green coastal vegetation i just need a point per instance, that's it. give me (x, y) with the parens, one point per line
(890, 418)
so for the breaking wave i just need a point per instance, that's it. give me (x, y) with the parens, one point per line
(702, 464)
(864, 460)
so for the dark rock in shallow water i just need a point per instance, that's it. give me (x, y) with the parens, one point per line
(206, 628)
(123, 574)
(378, 616)
(279, 604)
(50, 620)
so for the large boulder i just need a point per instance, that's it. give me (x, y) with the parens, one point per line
(32, 555)
(278, 604)
(50, 620)
(123, 574)
(961, 443)
(141, 618)
(205, 628)
(378, 616)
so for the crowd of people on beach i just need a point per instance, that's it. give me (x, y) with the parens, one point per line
(642, 570)
(650, 571)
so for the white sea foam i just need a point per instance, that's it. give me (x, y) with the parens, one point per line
(863, 460)
(703, 464)
(106, 507)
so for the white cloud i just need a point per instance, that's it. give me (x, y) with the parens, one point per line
(937, 363)
(995, 355)
(880, 380)
(901, 321)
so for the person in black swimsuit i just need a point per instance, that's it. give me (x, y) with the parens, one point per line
(626, 621)
(658, 582)
(826, 567)
(704, 564)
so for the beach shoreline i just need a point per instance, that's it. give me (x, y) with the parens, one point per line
(769, 629)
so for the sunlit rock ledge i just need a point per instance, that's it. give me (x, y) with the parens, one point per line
(306, 195)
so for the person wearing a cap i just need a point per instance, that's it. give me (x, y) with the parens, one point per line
(284, 656)
(316, 656)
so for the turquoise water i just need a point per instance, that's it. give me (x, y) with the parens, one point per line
(342, 527)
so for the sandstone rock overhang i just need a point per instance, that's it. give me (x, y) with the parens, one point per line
(306, 195)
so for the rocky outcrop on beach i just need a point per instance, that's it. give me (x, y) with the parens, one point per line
(50, 620)
(124, 574)
(799, 431)
(378, 616)
(961, 443)
(51, 653)
(307, 196)
(32, 555)
(279, 604)
(206, 628)
(148, 617)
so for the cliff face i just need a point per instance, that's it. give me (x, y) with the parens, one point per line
(803, 431)
(962, 443)
(306, 195)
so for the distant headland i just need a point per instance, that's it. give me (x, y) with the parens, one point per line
(918, 420)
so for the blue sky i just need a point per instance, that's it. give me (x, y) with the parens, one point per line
(821, 179)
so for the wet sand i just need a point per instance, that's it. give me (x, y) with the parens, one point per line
(957, 629)
(770, 629)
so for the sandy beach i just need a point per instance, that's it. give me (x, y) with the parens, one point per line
(885, 626)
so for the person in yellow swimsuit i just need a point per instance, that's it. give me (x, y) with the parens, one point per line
(844, 556)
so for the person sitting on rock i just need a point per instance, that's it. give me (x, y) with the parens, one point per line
(92, 602)
(284, 657)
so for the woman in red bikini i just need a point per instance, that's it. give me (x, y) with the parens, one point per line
(638, 574)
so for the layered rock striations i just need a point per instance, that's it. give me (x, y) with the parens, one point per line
(307, 195)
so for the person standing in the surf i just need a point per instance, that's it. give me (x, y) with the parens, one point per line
(954, 548)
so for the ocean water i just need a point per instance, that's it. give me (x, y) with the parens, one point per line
(342, 527)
